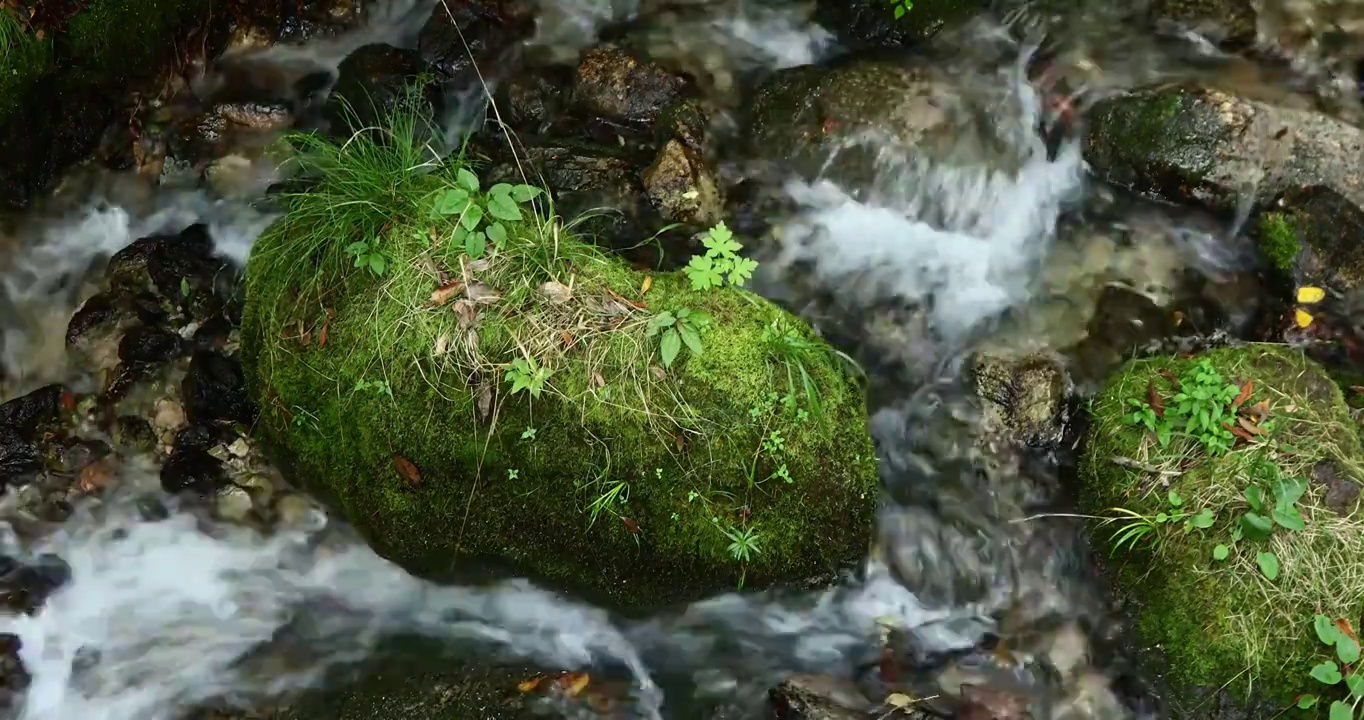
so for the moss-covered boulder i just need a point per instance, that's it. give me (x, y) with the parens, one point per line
(1298, 170)
(60, 90)
(520, 400)
(1229, 540)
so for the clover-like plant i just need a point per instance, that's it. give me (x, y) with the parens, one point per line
(480, 217)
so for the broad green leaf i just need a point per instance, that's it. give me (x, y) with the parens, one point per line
(1203, 520)
(472, 217)
(1326, 673)
(1327, 632)
(899, 12)
(1255, 498)
(1269, 564)
(497, 232)
(467, 180)
(500, 189)
(378, 263)
(1162, 517)
(1288, 491)
(1256, 526)
(1347, 649)
(475, 245)
(1288, 517)
(1220, 552)
(1356, 684)
(524, 193)
(450, 201)
(503, 207)
(359, 247)
(1305, 702)
(670, 346)
(1175, 499)
(690, 337)
(1341, 711)
(740, 270)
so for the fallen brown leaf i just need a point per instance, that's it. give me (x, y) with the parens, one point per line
(1344, 626)
(1260, 410)
(658, 372)
(68, 400)
(467, 313)
(1247, 388)
(1169, 374)
(96, 476)
(631, 525)
(479, 265)
(598, 380)
(1153, 398)
(556, 292)
(1357, 388)
(981, 703)
(447, 292)
(408, 470)
(481, 294)
(442, 344)
(567, 337)
(1239, 432)
(573, 683)
(1249, 426)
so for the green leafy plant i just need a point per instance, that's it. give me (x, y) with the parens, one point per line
(675, 329)
(367, 255)
(614, 495)
(743, 543)
(1336, 635)
(901, 7)
(1137, 527)
(721, 263)
(478, 216)
(525, 374)
(377, 387)
(1202, 408)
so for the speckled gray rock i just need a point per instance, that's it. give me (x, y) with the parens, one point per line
(1229, 22)
(1301, 172)
(1023, 399)
(682, 186)
(613, 83)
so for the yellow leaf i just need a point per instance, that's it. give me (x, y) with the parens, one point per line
(529, 684)
(574, 683)
(898, 700)
(648, 283)
(1309, 295)
(1302, 317)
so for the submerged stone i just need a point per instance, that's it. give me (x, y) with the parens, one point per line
(1242, 547)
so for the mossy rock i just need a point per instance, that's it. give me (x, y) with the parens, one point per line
(59, 93)
(504, 480)
(1229, 22)
(1224, 626)
(873, 22)
(1311, 235)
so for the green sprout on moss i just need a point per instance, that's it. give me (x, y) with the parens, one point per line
(1203, 406)
(901, 7)
(527, 375)
(368, 255)
(1137, 527)
(721, 264)
(615, 494)
(683, 327)
(1336, 635)
(478, 217)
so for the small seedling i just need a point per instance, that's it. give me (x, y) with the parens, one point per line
(513, 473)
(901, 7)
(479, 217)
(1138, 527)
(378, 387)
(677, 329)
(616, 494)
(367, 255)
(1203, 408)
(743, 544)
(721, 264)
(528, 434)
(525, 374)
(1337, 635)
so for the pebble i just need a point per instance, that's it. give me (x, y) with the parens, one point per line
(232, 504)
(296, 512)
(170, 416)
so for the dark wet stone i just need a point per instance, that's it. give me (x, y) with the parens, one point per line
(530, 101)
(1226, 22)
(80, 453)
(197, 437)
(168, 264)
(214, 332)
(24, 588)
(816, 697)
(151, 509)
(485, 32)
(193, 470)
(373, 82)
(1341, 492)
(256, 115)
(100, 311)
(613, 83)
(1024, 398)
(143, 345)
(873, 22)
(26, 414)
(214, 390)
(1298, 169)
(20, 458)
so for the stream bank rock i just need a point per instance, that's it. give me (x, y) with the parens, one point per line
(1298, 170)
(1227, 629)
(514, 409)
(873, 22)
(1225, 22)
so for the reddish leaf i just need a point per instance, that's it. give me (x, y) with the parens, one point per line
(1343, 625)
(68, 400)
(1249, 426)
(446, 292)
(1169, 374)
(1247, 388)
(1239, 432)
(408, 470)
(888, 667)
(1153, 398)
(631, 525)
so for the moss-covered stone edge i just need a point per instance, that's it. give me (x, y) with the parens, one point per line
(1184, 610)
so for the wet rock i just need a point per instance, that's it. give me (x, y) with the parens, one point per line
(375, 80)
(135, 433)
(232, 504)
(170, 416)
(1341, 492)
(1312, 235)
(873, 22)
(80, 453)
(24, 588)
(28, 413)
(172, 266)
(1024, 398)
(687, 121)
(530, 101)
(682, 187)
(143, 345)
(214, 390)
(817, 697)
(193, 470)
(485, 32)
(20, 459)
(1226, 22)
(613, 83)
(257, 116)
(1189, 144)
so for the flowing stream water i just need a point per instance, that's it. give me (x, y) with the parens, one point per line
(152, 614)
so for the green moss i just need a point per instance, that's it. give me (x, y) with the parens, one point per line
(1223, 623)
(1278, 240)
(23, 59)
(683, 440)
(125, 37)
